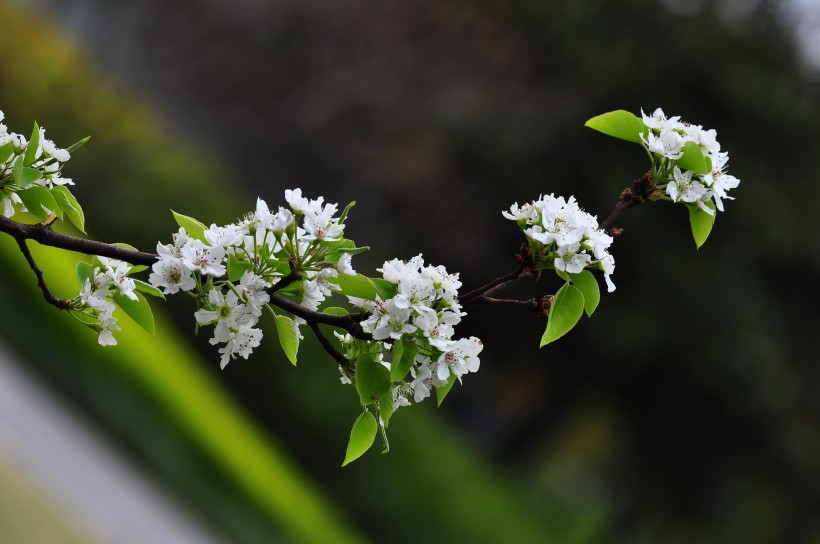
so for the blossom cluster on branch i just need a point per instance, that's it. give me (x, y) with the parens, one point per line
(394, 335)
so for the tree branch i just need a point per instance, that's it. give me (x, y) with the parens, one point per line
(350, 322)
(59, 303)
(344, 363)
(494, 285)
(642, 190)
(47, 237)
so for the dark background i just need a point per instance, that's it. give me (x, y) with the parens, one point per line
(685, 411)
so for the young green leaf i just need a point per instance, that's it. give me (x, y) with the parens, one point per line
(84, 272)
(346, 211)
(6, 151)
(693, 159)
(362, 436)
(139, 310)
(386, 409)
(70, 206)
(372, 379)
(37, 199)
(288, 337)
(565, 311)
(588, 285)
(701, 223)
(404, 355)
(384, 288)
(33, 146)
(620, 124)
(442, 391)
(73, 147)
(23, 175)
(148, 289)
(194, 228)
(335, 310)
(357, 286)
(237, 268)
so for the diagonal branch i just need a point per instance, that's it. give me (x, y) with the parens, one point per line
(59, 303)
(344, 363)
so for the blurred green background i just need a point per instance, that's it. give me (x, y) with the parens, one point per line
(686, 411)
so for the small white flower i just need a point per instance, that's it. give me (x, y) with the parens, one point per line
(116, 273)
(171, 275)
(225, 308)
(199, 257)
(570, 260)
(658, 121)
(224, 237)
(344, 265)
(683, 188)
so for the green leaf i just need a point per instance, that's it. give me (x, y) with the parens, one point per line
(362, 436)
(701, 223)
(588, 285)
(346, 211)
(565, 311)
(386, 409)
(24, 175)
(194, 228)
(70, 206)
(33, 144)
(356, 286)
(372, 379)
(148, 289)
(84, 272)
(404, 355)
(6, 151)
(288, 337)
(139, 310)
(237, 268)
(620, 124)
(37, 196)
(73, 147)
(693, 159)
(442, 391)
(335, 310)
(384, 288)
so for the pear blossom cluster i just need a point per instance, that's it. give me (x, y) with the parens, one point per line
(46, 158)
(231, 268)
(96, 298)
(563, 236)
(666, 139)
(423, 312)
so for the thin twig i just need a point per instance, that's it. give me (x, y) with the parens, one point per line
(496, 283)
(641, 191)
(329, 347)
(59, 303)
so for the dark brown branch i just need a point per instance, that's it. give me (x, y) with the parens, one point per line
(331, 349)
(641, 191)
(350, 323)
(59, 303)
(494, 285)
(47, 237)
